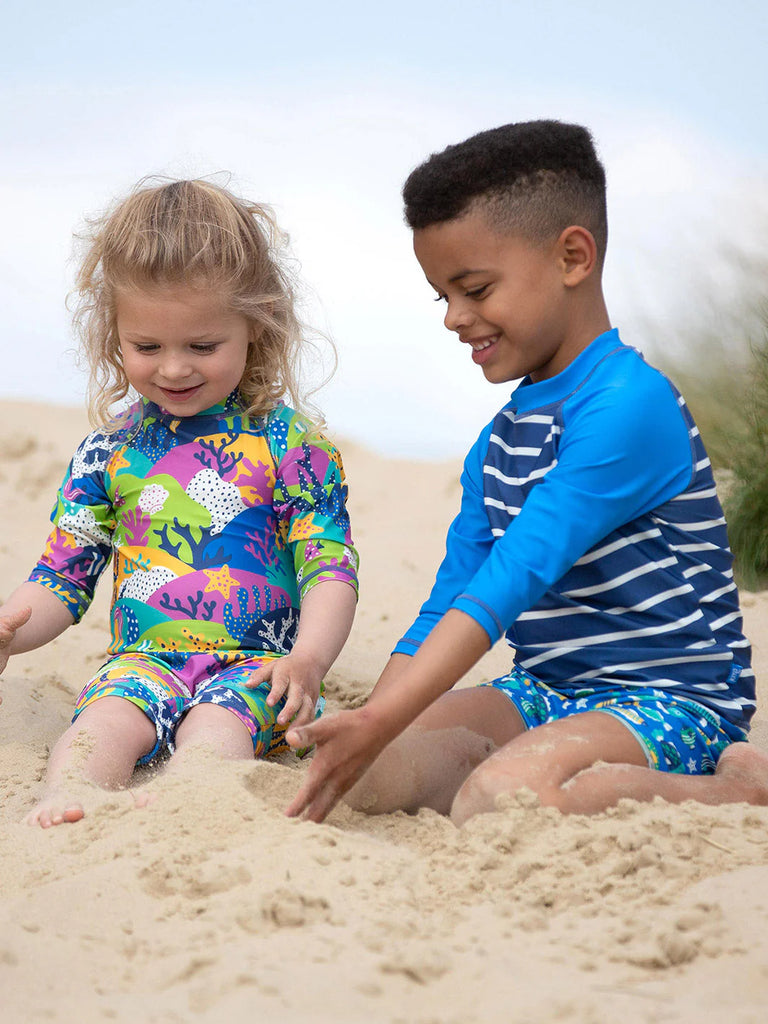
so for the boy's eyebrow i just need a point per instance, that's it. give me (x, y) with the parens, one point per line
(464, 273)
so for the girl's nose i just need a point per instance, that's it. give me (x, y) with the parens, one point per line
(176, 367)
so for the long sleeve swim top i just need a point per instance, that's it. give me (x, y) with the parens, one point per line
(591, 534)
(217, 525)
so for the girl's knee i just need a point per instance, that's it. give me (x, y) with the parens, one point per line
(115, 712)
(217, 726)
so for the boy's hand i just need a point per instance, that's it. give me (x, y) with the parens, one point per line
(346, 745)
(8, 626)
(300, 678)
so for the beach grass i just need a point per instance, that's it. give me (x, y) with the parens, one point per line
(726, 388)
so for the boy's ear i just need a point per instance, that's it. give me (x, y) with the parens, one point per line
(577, 253)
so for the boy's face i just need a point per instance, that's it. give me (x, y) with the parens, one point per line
(505, 296)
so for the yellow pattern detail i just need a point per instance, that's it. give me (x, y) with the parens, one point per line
(302, 529)
(219, 580)
(118, 462)
(168, 643)
(56, 588)
(202, 643)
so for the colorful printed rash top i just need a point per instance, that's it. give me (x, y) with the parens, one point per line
(590, 533)
(219, 524)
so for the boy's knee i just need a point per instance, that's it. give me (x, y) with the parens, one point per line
(385, 785)
(493, 779)
(479, 792)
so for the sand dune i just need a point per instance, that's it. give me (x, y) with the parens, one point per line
(211, 906)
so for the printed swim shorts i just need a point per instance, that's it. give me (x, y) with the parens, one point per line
(676, 734)
(164, 697)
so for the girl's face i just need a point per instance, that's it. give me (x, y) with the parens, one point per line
(181, 347)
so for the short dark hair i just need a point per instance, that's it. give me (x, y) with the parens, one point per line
(532, 178)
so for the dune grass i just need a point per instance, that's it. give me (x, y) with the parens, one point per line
(746, 505)
(721, 367)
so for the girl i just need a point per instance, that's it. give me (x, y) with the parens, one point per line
(223, 509)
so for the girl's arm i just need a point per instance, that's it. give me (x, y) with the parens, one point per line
(327, 611)
(349, 742)
(19, 631)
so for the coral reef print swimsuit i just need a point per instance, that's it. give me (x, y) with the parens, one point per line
(218, 525)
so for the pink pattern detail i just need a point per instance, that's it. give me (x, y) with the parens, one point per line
(136, 525)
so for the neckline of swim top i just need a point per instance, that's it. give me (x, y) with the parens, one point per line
(535, 394)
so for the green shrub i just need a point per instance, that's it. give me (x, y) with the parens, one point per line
(746, 505)
(719, 361)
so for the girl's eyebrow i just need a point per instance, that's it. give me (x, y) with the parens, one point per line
(137, 336)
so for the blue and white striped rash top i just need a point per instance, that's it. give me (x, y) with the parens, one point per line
(590, 533)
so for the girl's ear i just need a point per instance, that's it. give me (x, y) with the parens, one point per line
(577, 254)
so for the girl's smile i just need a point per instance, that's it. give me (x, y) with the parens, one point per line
(181, 348)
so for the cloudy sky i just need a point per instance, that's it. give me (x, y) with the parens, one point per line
(321, 110)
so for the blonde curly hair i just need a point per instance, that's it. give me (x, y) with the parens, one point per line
(196, 233)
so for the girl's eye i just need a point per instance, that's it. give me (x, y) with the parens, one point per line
(477, 293)
(441, 298)
(204, 348)
(145, 348)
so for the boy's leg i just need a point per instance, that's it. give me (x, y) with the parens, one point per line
(428, 763)
(587, 762)
(101, 747)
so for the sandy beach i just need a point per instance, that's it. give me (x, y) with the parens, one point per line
(211, 906)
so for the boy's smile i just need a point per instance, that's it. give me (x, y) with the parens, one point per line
(508, 298)
(180, 347)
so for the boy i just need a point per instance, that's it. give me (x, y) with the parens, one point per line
(590, 533)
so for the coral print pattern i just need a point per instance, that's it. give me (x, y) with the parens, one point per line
(218, 524)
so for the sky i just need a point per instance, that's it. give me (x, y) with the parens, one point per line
(321, 110)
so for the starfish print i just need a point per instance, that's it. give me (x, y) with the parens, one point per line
(219, 580)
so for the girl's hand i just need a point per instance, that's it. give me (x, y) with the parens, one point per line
(299, 677)
(8, 625)
(346, 745)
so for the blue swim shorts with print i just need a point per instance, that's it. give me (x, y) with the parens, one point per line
(164, 697)
(676, 734)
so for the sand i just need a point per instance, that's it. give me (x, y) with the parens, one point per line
(211, 906)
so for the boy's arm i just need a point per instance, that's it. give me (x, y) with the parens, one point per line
(434, 654)
(614, 467)
(349, 742)
(19, 631)
(327, 611)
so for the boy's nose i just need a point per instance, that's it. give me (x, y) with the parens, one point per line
(457, 315)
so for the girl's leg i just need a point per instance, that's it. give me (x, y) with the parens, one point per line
(213, 726)
(429, 762)
(101, 747)
(588, 762)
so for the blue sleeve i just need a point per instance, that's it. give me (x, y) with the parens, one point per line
(468, 545)
(622, 454)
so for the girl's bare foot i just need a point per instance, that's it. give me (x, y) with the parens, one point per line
(55, 808)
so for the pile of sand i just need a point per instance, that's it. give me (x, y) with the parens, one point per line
(210, 905)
